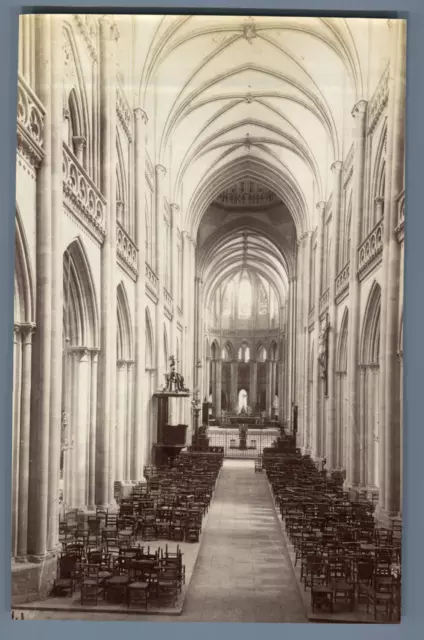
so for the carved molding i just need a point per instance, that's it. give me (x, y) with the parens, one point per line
(123, 112)
(168, 302)
(88, 27)
(126, 249)
(30, 123)
(246, 193)
(152, 281)
(400, 233)
(81, 194)
(324, 302)
(348, 167)
(342, 284)
(379, 101)
(370, 251)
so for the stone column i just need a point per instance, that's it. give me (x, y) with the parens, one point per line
(121, 414)
(291, 344)
(253, 395)
(301, 267)
(175, 209)
(138, 428)
(330, 453)
(390, 369)
(370, 443)
(268, 387)
(363, 421)
(198, 330)
(359, 113)
(233, 385)
(57, 285)
(129, 424)
(160, 173)
(316, 422)
(174, 403)
(218, 385)
(81, 427)
(107, 362)
(16, 428)
(25, 419)
(41, 370)
(91, 479)
(207, 378)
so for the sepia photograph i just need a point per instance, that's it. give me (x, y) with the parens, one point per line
(208, 319)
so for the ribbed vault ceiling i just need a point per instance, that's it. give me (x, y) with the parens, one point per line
(263, 99)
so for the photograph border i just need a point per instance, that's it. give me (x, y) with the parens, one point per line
(413, 514)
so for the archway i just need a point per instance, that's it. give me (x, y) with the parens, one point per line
(124, 387)
(150, 371)
(79, 382)
(369, 396)
(22, 359)
(342, 394)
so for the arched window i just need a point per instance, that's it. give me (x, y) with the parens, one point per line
(263, 301)
(228, 300)
(244, 352)
(244, 297)
(261, 354)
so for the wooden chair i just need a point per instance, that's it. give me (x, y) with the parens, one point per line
(90, 586)
(67, 574)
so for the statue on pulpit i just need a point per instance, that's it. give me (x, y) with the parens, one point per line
(174, 381)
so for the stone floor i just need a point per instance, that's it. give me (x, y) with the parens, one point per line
(243, 571)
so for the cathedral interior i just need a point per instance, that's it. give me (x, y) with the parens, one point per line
(209, 262)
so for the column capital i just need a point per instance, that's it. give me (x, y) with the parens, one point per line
(174, 206)
(160, 170)
(337, 166)
(24, 331)
(360, 109)
(121, 364)
(140, 115)
(321, 205)
(379, 200)
(80, 352)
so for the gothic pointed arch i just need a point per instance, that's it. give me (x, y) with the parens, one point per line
(24, 287)
(229, 351)
(370, 337)
(75, 93)
(121, 186)
(80, 314)
(150, 344)
(341, 359)
(378, 181)
(124, 326)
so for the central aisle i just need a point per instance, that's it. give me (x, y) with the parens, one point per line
(243, 572)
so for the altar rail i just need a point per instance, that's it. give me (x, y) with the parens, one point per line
(229, 439)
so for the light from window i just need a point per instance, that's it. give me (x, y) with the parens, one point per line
(245, 297)
(263, 301)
